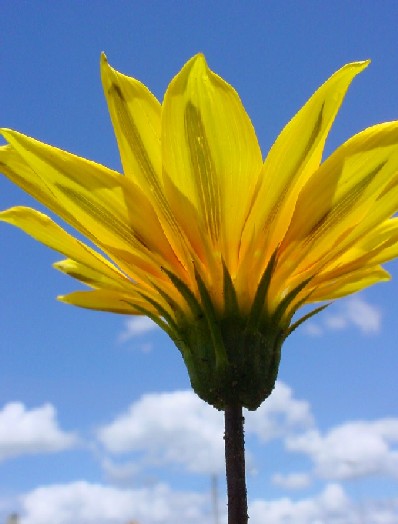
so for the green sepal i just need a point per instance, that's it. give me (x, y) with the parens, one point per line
(231, 306)
(163, 313)
(211, 316)
(280, 311)
(199, 341)
(186, 293)
(259, 302)
(161, 323)
(232, 358)
(300, 321)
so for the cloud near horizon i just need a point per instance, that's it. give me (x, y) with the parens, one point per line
(178, 429)
(87, 503)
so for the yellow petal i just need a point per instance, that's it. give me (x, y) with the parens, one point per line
(43, 229)
(345, 199)
(18, 171)
(295, 155)
(106, 300)
(100, 203)
(210, 151)
(349, 283)
(90, 191)
(91, 277)
(136, 118)
(379, 246)
(135, 115)
(382, 245)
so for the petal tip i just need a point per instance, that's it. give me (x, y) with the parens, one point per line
(199, 57)
(199, 63)
(104, 62)
(364, 63)
(106, 71)
(5, 131)
(360, 64)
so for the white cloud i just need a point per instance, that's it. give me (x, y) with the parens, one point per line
(363, 315)
(170, 428)
(351, 450)
(353, 312)
(84, 503)
(331, 506)
(8, 505)
(338, 321)
(24, 431)
(179, 428)
(117, 473)
(136, 326)
(312, 329)
(279, 415)
(291, 480)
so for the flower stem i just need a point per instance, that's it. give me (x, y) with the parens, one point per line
(235, 465)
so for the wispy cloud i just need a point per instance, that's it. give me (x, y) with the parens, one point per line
(136, 326)
(24, 431)
(353, 312)
(120, 473)
(291, 480)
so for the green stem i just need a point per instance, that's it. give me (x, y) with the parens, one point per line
(235, 465)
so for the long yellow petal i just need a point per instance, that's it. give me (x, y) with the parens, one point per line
(382, 244)
(210, 151)
(139, 299)
(349, 283)
(346, 198)
(100, 203)
(46, 231)
(136, 118)
(378, 247)
(18, 171)
(135, 115)
(293, 158)
(93, 277)
(106, 300)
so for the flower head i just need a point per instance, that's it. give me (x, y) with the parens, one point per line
(217, 246)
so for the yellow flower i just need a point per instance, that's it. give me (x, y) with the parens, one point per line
(217, 246)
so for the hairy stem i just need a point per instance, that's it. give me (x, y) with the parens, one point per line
(235, 465)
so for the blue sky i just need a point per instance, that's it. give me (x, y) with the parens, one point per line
(97, 421)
